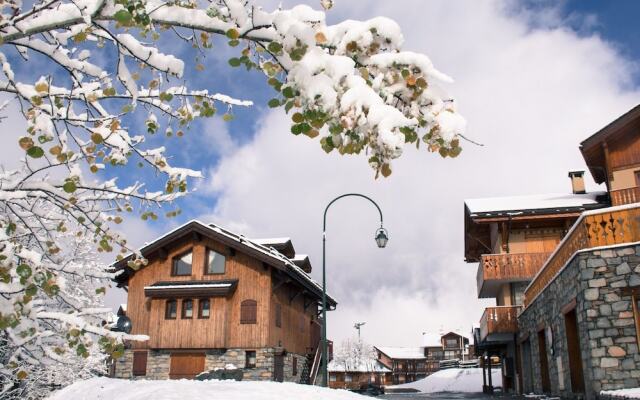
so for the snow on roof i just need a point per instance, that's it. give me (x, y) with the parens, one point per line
(368, 365)
(123, 306)
(242, 240)
(431, 340)
(405, 353)
(300, 257)
(556, 201)
(267, 241)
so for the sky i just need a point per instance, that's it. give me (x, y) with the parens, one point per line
(532, 78)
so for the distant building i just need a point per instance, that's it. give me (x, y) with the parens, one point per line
(409, 364)
(356, 375)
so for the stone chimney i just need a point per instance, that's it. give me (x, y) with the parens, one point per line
(577, 182)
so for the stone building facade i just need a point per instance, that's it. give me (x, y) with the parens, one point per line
(595, 290)
(159, 361)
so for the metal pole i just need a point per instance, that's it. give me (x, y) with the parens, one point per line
(325, 361)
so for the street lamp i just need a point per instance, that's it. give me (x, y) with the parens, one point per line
(381, 237)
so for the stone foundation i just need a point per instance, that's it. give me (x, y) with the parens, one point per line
(159, 361)
(605, 319)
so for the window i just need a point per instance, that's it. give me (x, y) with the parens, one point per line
(204, 308)
(347, 378)
(182, 264)
(250, 359)
(452, 343)
(332, 378)
(294, 367)
(278, 315)
(139, 363)
(215, 262)
(248, 312)
(171, 309)
(187, 308)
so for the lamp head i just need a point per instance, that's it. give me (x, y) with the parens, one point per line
(382, 237)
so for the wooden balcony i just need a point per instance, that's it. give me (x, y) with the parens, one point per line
(603, 227)
(495, 269)
(625, 196)
(498, 324)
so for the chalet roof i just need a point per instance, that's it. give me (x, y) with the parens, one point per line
(268, 255)
(368, 365)
(403, 353)
(591, 147)
(540, 204)
(283, 245)
(302, 261)
(431, 340)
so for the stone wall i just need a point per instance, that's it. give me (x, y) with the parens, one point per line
(606, 325)
(158, 364)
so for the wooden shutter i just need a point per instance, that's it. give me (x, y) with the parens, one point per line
(278, 315)
(248, 312)
(139, 363)
(295, 366)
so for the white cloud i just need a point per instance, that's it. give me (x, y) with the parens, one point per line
(530, 95)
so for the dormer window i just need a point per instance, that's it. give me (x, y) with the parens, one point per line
(182, 264)
(215, 262)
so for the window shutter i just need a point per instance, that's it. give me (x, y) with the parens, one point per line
(248, 312)
(294, 368)
(139, 363)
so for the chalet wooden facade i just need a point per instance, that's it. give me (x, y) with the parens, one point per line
(209, 299)
(565, 273)
(510, 239)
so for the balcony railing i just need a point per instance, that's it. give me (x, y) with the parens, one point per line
(508, 267)
(625, 196)
(604, 227)
(499, 320)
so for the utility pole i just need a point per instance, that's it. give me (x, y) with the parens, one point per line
(358, 325)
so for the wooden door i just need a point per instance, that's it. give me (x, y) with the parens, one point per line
(278, 370)
(573, 346)
(544, 363)
(186, 365)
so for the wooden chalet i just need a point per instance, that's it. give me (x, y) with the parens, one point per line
(358, 375)
(556, 265)
(510, 238)
(407, 364)
(210, 299)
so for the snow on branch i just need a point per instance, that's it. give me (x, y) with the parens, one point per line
(113, 73)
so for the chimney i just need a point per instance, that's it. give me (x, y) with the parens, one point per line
(577, 182)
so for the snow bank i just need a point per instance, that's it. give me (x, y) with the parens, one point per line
(631, 393)
(452, 380)
(121, 389)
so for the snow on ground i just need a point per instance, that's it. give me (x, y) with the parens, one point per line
(631, 393)
(121, 389)
(452, 380)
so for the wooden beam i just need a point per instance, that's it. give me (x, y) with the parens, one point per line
(277, 285)
(296, 294)
(231, 251)
(196, 236)
(163, 253)
(307, 304)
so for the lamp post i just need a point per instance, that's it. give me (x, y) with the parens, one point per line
(381, 237)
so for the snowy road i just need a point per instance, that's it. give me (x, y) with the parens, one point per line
(440, 396)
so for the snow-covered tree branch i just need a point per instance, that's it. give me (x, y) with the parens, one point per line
(108, 86)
